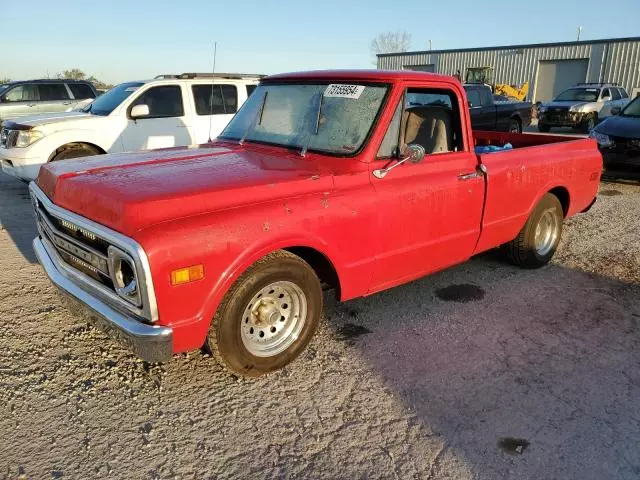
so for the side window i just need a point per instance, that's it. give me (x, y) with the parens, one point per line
(432, 119)
(616, 94)
(81, 91)
(485, 97)
(21, 93)
(389, 146)
(50, 92)
(215, 99)
(164, 101)
(474, 97)
(250, 89)
(605, 93)
(623, 93)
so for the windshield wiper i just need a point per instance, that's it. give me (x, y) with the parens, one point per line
(257, 120)
(303, 150)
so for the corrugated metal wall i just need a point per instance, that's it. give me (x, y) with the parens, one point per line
(614, 61)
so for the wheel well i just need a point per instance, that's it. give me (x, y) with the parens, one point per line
(320, 264)
(562, 194)
(76, 144)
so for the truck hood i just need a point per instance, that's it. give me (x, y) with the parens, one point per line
(57, 118)
(563, 104)
(129, 192)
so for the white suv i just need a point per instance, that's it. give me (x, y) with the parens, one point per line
(168, 111)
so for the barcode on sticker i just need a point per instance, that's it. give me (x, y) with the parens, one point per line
(344, 91)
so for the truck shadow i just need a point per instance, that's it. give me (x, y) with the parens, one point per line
(16, 216)
(490, 357)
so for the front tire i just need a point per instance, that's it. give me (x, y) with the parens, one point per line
(268, 317)
(515, 126)
(538, 240)
(75, 151)
(589, 123)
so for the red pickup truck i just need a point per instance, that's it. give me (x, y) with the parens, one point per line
(354, 180)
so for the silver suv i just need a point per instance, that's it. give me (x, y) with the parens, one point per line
(33, 97)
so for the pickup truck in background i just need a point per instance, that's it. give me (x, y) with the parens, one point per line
(169, 111)
(489, 115)
(353, 180)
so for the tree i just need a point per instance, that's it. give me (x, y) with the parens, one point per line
(73, 74)
(390, 42)
(4, 80)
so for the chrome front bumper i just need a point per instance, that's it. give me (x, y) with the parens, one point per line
(149, 342)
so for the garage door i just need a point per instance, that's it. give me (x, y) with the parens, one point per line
(431, 68)
(554, 76)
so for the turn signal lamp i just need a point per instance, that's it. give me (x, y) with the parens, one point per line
(187, 274)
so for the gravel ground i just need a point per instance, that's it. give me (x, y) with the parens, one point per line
(484, 371)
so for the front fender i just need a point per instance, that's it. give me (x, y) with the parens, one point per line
(46, 147)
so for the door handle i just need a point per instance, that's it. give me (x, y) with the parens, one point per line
(468, 176)
(481, 171)
(31, 105)
(66, 103)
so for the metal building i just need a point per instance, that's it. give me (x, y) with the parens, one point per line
(548, 67)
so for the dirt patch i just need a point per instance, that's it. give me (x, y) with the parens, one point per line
(351, 331)
(513, 446)
(610, 193)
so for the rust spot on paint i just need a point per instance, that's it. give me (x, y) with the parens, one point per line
(287, 209)
(314, 177)
(266, 226)
(325, 203)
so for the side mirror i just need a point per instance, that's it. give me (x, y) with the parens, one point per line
(470, 105)
(139, 111)
(616, 111)
(414, 153)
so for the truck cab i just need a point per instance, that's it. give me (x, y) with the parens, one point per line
(353, 180)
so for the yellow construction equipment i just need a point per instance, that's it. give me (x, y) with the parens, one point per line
(485, 75)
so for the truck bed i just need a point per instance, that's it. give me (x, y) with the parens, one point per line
(516, 179)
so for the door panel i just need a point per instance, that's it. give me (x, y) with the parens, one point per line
(429, 218)
(21, 100)
(164, 127)
(54, 97)
(429, 212)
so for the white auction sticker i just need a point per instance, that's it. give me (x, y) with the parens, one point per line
(344, 91)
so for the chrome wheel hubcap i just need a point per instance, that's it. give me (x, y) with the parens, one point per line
(546, 232)
(273, 319)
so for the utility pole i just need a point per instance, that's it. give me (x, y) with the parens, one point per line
(429, 45)
(579, 32)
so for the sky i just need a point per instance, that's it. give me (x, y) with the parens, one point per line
(118, 40)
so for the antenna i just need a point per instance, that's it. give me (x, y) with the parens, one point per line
(213, 78)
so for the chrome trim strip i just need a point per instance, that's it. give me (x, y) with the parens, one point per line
(152, 343)
(130, 246)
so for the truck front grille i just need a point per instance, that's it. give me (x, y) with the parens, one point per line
(8, 137)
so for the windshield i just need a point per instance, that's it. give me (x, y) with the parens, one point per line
(632, 109)
(579, 95)
(328, 118)
(3, 88)
(108, 101)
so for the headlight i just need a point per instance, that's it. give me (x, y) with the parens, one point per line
(122, 269)
(27, 137)
(577, 109)
(602, 139)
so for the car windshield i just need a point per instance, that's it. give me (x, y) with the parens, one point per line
(108, 101)
(578, 95)
(632, 109)
(3, 87)
(322, 117)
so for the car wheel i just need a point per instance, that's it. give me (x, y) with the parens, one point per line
(75, 151)
(539, 238)
(543, 127)
(515, 126)
(268, 316)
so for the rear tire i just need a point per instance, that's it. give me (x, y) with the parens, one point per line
(538, 240)
(515, 126)
(543, 127)
(75, 151)
(268, 317)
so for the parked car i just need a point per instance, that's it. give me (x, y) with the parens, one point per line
(582, 107)
(486, 114)
(18, 99)
(619, 137)
(171, 111)
(322, 179)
